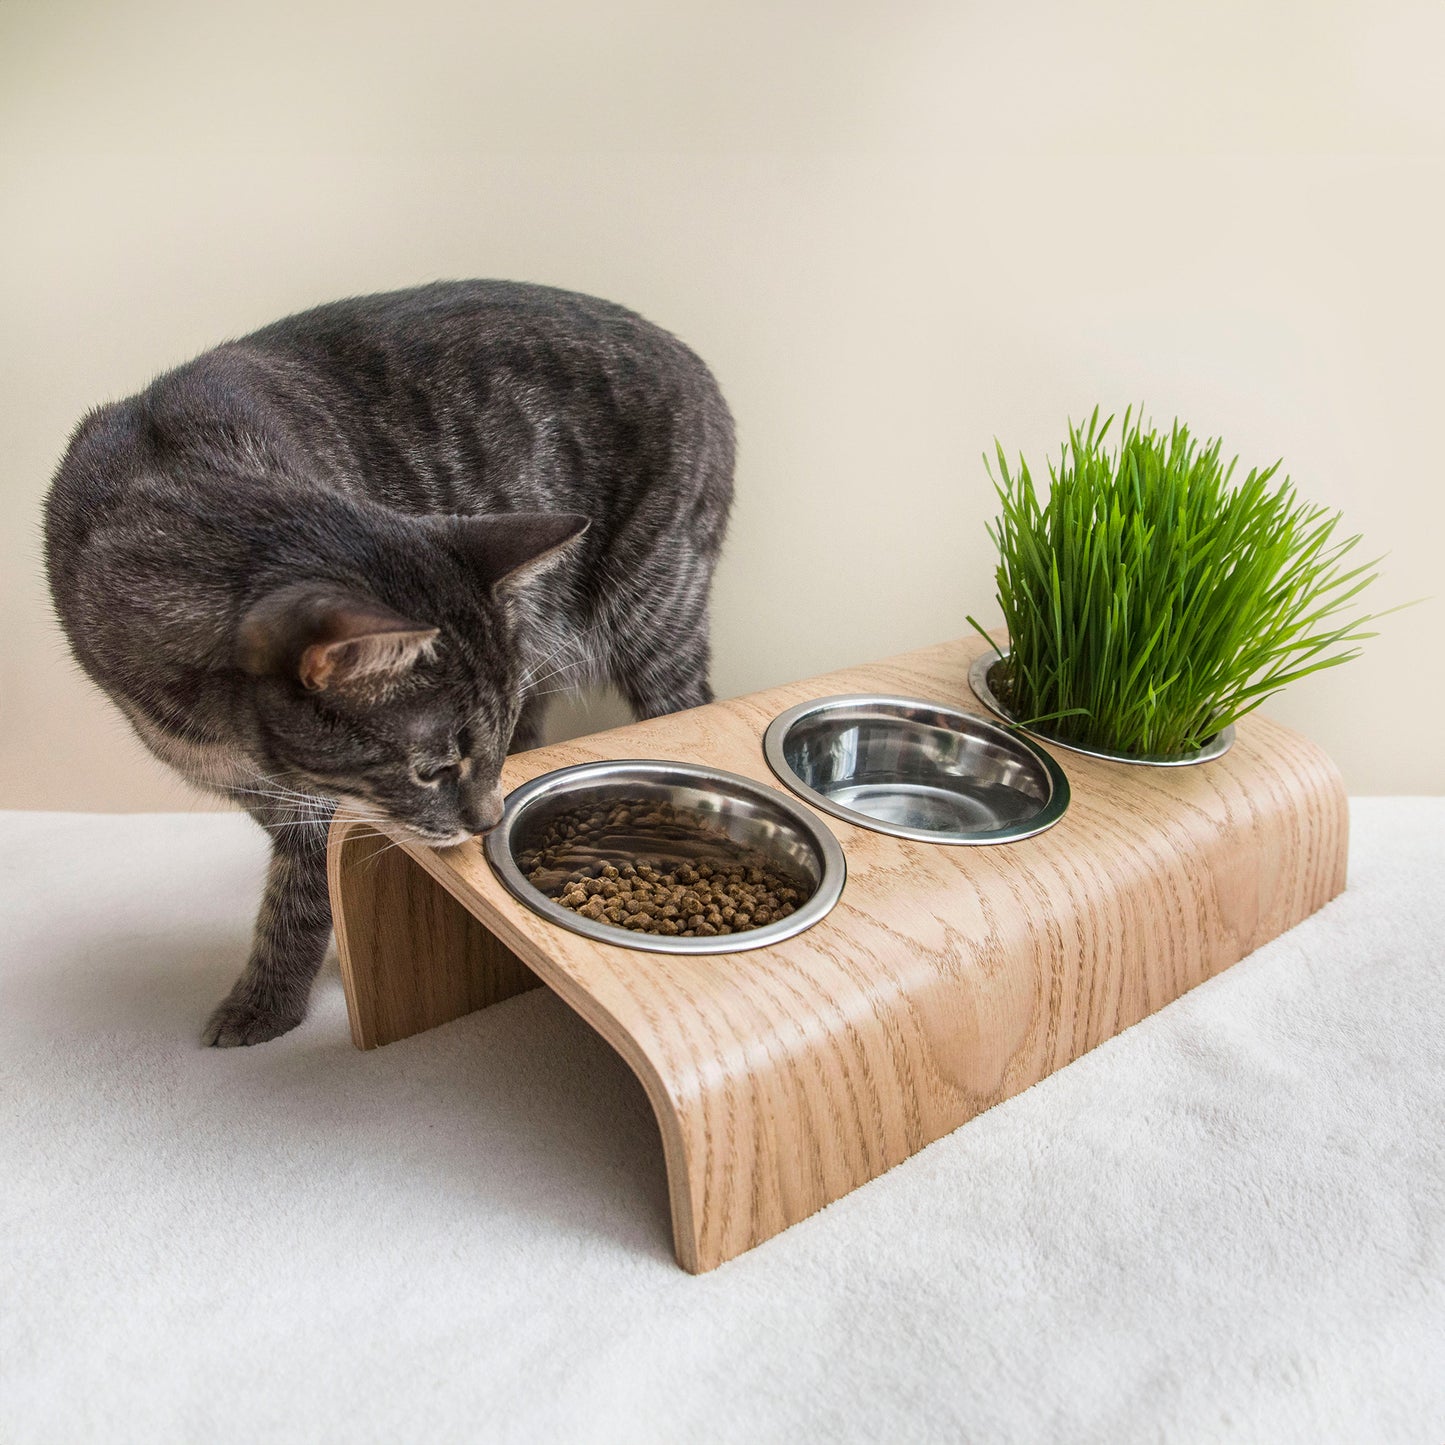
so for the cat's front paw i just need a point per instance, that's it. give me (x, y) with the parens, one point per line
(240, 1021)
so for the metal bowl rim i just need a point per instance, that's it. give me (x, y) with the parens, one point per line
(559, 781)
(1052, 810)
(983, 664)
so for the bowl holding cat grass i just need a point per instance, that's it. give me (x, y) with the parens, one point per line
(992, 666)
(620, 851)
(916, 769)
(1151, 602)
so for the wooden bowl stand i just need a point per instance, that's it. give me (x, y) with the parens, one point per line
(946, 979)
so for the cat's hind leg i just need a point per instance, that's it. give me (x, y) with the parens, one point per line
(668, 678)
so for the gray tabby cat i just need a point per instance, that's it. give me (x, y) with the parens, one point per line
(344, 560)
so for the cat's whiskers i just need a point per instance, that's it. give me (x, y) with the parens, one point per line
(531, 688)
(285, 808)
(530, 673)
(573, 641)
(281, 786)
(370, 862)
(287, 798)
(549, 692)
(378, 823)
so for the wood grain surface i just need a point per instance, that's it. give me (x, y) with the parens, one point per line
(946, 979)
(412, 955)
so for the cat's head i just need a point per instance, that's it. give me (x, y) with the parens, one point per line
(397, 692)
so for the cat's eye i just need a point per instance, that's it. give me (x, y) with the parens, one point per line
(435, 772)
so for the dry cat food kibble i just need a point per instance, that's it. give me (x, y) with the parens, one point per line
(654, 868)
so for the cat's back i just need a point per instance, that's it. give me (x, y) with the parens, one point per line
(455, 397)
(462, 395)
(306, 448)
(471, 308)
(482, 328)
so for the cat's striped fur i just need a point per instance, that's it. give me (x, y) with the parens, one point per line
(348, 557)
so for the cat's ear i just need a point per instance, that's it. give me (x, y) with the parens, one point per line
(329, 639)
(509, 546)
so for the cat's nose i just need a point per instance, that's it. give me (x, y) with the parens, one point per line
(484, 812)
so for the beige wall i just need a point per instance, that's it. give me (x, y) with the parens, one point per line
(895, 230)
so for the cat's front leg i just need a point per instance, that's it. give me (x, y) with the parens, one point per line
(293, 929)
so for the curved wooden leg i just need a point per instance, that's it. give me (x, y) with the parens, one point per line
(412, 957)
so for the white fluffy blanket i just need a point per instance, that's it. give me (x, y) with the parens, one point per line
(1227, 1224)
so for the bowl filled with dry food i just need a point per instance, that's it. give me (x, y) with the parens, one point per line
(667, 857)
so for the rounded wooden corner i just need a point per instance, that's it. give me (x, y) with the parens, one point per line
(345, 851)
(687, 1245)
(371, 875)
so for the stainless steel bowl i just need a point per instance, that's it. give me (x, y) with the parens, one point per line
(750, 814)
(978, 680)
(916, 769)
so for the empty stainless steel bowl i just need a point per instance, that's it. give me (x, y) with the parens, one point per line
(755, 816)
(916, 769)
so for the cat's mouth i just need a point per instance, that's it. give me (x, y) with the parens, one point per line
(433, 837)
(453, 839)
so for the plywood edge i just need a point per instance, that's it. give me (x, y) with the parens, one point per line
(344, 834)
(659, 1095)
